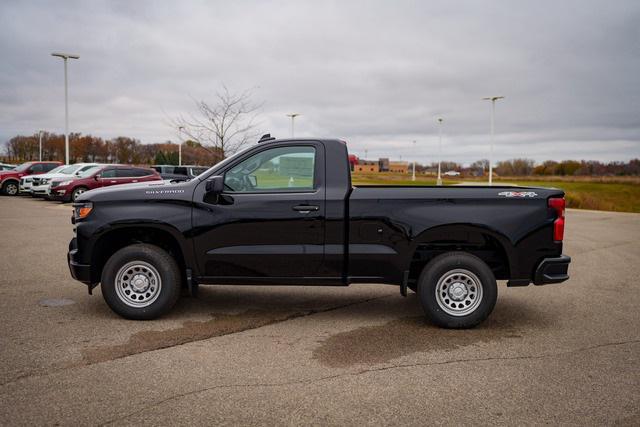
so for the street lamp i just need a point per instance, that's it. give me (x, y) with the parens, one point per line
(180, 129)
(493, 100)
(65, 57)
(439, 180)
(293, 118)
(413, 176)
(40, 145)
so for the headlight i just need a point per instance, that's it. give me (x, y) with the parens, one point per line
(67, 182)
(82, 210)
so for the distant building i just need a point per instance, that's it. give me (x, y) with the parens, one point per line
(383, 164)
(399, 167)
(367, 166)
(353, 161)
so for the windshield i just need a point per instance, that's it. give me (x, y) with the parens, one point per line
(23, 167)
(226, 161)
(89, 171)
(67, 170)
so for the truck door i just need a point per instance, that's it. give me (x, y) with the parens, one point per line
(269, 221)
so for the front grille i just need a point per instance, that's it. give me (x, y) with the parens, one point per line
(36, 181)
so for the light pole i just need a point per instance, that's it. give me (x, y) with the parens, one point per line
(493, 100)
(40, 145)
(439, 180)
(413, 176)
(293, 118)
(180, 129)
(65, 57)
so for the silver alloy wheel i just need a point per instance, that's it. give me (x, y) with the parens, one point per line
(77, 192)
(459, 292)
(11, 188)
(138, 284)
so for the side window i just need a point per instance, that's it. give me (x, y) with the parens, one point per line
(180, 170)
(39, 167)
(50, 166)
(275, 170)
(124, 172)
(141, 172)
(108, 173)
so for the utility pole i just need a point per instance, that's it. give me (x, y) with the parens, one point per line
(493, 100)
(293, 119)
(413, 176)
(40, 145)
(180, 129)
(65, 57)
(439, 180)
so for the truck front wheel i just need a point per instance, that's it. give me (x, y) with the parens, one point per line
(457, 290)
(141, 282)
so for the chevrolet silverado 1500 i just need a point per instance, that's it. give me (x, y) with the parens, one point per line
(286, 212)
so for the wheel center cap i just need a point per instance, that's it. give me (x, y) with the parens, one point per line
(139, 283)
(458, 291)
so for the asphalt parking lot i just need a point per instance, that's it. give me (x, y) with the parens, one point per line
(567, 353)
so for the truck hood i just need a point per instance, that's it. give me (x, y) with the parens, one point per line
(151, 190)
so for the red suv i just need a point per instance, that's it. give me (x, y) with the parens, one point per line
(68, 190)
(10, 180)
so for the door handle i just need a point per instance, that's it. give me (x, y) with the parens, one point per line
(113, 182)
(305, 208)
(135, 180)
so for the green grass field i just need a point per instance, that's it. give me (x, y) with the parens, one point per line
(581, 193)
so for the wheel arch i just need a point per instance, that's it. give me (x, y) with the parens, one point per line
(118, 237)
(489, 245)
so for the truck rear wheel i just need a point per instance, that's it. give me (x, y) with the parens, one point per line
(457, 290)
(141, 282)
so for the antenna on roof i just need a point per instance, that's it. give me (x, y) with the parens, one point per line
(266, 137)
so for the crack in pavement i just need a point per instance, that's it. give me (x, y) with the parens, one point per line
(363, 372)
(123, 354)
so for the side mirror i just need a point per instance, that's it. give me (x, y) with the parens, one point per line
(96, 177)
(253, 180)
(215, 185)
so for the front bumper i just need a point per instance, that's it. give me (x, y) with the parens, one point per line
(40, 190)
(24, 188)
(552, 270)
(58, 193)
(79, 271)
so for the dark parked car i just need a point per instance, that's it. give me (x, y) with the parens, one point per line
(179, 173)
(10, 179)
(68, 189)
(286, 212)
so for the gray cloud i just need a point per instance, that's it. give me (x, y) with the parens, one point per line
(374, 73)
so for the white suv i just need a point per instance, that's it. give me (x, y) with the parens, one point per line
(40, 183)
(26, 182)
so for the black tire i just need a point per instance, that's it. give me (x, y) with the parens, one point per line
(76, 192)
(10, 188)
(151, 262)
(467, 290)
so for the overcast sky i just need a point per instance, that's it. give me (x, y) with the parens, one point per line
(376, 74)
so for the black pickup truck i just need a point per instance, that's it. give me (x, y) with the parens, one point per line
(285, 212)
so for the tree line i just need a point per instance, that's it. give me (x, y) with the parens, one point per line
(89, 148)
(528, 167)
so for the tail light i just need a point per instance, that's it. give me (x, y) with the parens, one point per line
(558, 204)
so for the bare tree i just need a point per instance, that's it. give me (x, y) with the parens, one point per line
(224, 125)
